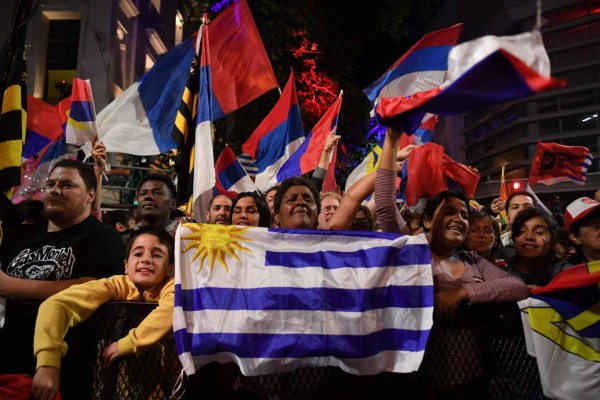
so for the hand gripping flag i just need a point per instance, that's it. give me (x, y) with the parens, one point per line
(81, 125)
(231, 178)
(481, 72)
(421, 68)
(554, 163)
(275, 300)
(562, 330)
(277, 137)
(306, 158)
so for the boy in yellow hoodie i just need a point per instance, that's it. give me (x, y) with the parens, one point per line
(148, 278)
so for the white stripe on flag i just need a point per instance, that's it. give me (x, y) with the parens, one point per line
(300, 321)
(255, 296)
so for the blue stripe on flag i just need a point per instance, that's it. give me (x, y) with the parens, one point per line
(357, 234)
(365, 258)
(314, 299)
(81, 111)
(231, 174)
(433, 58)
(255, 345)
(273, 145)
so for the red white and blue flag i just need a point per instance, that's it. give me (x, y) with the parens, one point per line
(81, 125)
(421, 68)
(306, 158)
(277, 137)
(140, 120)
(43, 126)
(555, 163)
(231, 178)
(481, 72)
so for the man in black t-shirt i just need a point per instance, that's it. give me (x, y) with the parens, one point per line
(72, 247)
(40, 260)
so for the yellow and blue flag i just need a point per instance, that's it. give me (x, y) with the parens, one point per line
(562, 327)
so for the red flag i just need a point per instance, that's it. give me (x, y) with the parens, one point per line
(430, 171)
(329, 183)
(555, 163)
(239, 67)
(465, 177)
(425, 176)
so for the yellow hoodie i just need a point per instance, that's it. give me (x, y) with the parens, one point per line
(71, 306)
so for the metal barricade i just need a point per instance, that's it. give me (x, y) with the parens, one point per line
(479, 355)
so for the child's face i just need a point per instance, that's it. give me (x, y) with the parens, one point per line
(148, 262)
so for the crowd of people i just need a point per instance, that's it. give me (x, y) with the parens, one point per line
(69, 254)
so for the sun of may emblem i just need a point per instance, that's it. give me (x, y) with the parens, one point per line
(215, 242)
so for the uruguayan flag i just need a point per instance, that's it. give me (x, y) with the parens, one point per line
(273, 300)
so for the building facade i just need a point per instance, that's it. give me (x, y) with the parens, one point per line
(110, 42)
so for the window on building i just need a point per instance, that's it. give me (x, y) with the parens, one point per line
(149, 61)
(178, 28)
(61, 58)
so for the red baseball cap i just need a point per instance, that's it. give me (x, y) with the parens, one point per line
(578, 210)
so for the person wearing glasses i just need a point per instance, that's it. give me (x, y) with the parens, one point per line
(483, 236)
(330, 201)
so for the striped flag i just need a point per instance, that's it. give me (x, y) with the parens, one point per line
(224, 86)
(13, 118)
(231, 178)
(562, 330)
(481, 72)
(43, 126)
(81, 125)
(249, 164)
(183, 134)
(306, 158)
(275, 300)
(277, 137)
(421, 68)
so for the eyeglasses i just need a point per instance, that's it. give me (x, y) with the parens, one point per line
(485, 231)
(329, 209)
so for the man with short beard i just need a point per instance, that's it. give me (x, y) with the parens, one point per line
(219, 210)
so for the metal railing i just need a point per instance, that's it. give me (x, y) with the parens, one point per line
(479, 355)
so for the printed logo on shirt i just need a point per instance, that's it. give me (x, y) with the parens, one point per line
(47, 262)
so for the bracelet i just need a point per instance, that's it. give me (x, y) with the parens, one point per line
(328, 151)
